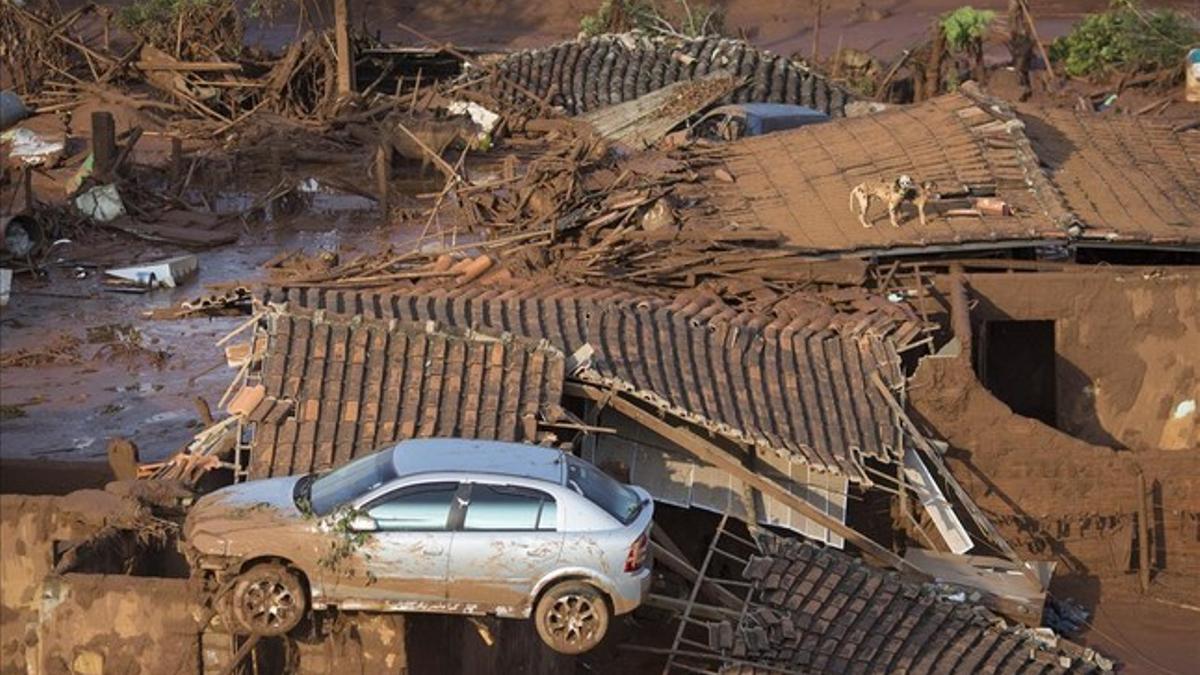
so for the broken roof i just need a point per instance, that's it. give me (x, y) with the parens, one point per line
(590, 73)
(336, 388)
(798, 182)
(815, 609)
(799, 384)
(1126, 178)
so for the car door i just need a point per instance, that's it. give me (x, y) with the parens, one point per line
(508, 540)
(402, 564)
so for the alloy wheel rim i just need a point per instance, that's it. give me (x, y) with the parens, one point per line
(269, 604)
(572, 619)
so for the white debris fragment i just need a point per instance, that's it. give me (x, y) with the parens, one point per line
(167, 273)
(30, 147)
(102, 203)
(485, 119)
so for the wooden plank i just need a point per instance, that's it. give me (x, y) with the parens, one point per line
(345, 64)
(935, 458)
(712, 454)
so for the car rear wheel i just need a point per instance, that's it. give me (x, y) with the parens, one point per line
(572, 617)
(268, 599)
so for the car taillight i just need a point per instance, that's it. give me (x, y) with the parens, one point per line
(637, 553)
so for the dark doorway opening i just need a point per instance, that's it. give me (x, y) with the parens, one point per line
(1017, 366)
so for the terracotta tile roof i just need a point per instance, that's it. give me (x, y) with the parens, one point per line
(799, 385)
(1126, 178)
(798, 182)
(816, 609)
(583, 75)
(338, 387)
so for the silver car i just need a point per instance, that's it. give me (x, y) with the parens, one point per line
(438, 525)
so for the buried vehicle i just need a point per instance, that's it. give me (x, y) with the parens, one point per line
(737, 120)
(437, 525)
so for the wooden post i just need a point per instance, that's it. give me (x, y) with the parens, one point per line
(383, 176)
(104, 144)
(816, 49)
(341, 32)
(177, 169)
(1143, 520)
(960, 310)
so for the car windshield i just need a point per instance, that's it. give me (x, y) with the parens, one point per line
(617, 500)
(341, 486)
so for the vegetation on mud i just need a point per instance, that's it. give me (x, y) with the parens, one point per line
(1126, 38)
(171, 24)
(345, 541)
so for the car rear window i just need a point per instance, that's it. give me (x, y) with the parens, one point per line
(617, 500)
(500, 507)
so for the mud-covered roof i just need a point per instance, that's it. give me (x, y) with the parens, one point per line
(799, 383)
(798, 182)
(336, 388)
(1126, 178)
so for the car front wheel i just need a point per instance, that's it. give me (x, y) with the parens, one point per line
(268, 600)
(572, 617)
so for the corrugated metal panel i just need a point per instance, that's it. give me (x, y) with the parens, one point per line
(337, 388)
(672, 475)
(777, 384)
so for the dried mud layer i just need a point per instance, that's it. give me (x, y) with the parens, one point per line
(1055, 497)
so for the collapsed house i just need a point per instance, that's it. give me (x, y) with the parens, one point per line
(800, 398)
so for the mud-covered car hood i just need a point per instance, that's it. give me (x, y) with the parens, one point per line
(237, 509)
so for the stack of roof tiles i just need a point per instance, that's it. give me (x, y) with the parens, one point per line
(800, 385)
(815, 609)
(336, 388)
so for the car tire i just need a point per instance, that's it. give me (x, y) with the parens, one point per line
(572, 617)
(268, 599)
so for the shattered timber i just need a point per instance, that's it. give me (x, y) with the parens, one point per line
(964, 443)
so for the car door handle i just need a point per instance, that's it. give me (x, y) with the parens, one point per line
(432, 554)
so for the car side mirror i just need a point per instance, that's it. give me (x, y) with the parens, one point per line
(363, 523)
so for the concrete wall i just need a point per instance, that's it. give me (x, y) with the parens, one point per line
(1127, 343)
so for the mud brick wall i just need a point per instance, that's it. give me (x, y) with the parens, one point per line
(815, 609)
(99, 624)
(583, 75)
(29, 528)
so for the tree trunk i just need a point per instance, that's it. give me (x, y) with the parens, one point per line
(933, 75)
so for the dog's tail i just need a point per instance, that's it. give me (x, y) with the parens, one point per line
(853, 194)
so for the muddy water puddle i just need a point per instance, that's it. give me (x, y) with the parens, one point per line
(68, 410)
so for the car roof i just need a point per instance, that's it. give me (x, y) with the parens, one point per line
(429, 455)
(769, 110)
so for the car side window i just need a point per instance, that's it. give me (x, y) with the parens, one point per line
(422, 507)
(508, 508)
